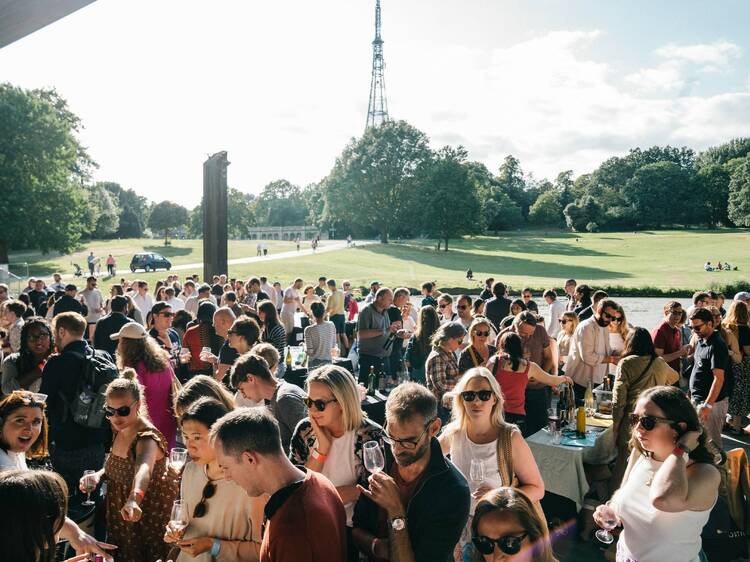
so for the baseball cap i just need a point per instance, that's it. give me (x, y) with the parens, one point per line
(131, 330)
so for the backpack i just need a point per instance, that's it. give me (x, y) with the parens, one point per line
(86, 407)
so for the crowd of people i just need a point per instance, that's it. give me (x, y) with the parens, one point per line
(168, 404)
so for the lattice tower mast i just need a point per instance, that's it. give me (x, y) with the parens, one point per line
(377, 111)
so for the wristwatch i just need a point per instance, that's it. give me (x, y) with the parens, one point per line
(398, 523)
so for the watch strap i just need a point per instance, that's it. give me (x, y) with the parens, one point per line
(215, 547)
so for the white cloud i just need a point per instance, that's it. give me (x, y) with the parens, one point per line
(710, 57)
(666, 78)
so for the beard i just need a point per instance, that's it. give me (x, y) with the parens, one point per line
(408, 458)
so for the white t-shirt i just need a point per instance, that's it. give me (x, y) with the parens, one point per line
(339, 466)
(176, 304)
(290, 308)
(94, 302)
(12, 461)
(556, 309)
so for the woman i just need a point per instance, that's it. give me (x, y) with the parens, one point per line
(198, 387)
(507, 527)
(179, 324)
(23, 370)
(23, 430)
(441, 366)
(137, 350)
(569, 323)
(159, 291)
(419, 344)
(618, 333)
(330, 440)
(671, 483)
(134, 313)
(478, 352)
(738, 323)
(308, 297)
(516, 306)
(202, 335)
(273, 330)
(477, 308)
(115, 290)
(582, 296)
(13, 316)
(218, 517)
(320, 338)
(140, 490)
(639, 369)
(478, 433)
(513, 372)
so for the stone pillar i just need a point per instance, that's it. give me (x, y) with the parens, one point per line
(215, 216)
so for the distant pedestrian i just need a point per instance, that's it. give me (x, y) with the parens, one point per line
(111, 266)
(469, 274)
(91, 261)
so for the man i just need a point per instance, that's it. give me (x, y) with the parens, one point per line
(668, 337)
(570, 292)
(57, 284)
(555, 312)
(76, 448)
(305, 520)
(286, 401)
(701, 299)
(427, 298)
(91, 261)
(13, 313)
(174, 303)
(320, 290)
(374, 329)
(591, 355)
(445, 308)
(463, 308)
(69, 303)
(188, 290)
(267, 289)
(279, 295)
(416, 509)
(142, 299)
(38, 294)
(498, 307)
(255, 292)
(167, 337)
(588, 312)
(536, 348)
(336, 313)
(230, 301)
(707, 379)
(291, 303)
(374, 287)
(486, 293)
(94, 302)
(111, 324)
(194, 301)
(224, 318)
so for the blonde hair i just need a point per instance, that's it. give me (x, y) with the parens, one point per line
(127, 383)
(624, 328)
(737, 315)
(478, 321)
(344, 389)
(460, 420)
(573, 317)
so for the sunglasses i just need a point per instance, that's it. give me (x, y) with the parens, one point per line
(201, 507)
(462, 307)
(563, 321)
(481, 334)
(617, 319)
(122, 411)
(167, 314)
(443, 305)
(509, 544)
(647, 422)
(470, 395)
(608, 316)
(320, 405)
(698, 327)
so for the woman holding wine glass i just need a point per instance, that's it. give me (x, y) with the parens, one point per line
(140, 491)
(213, 520)
(670, 485)
(489, 451)
(336, 436)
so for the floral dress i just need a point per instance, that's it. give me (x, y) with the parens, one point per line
(141, 541)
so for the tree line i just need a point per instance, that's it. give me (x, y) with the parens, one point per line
(388, 183)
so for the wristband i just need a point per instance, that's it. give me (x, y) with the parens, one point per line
(138, 493)
(317, 455)
(215, 548)
(708, 405)
(373, 544)
(678, 451)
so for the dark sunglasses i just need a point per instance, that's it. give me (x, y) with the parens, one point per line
(443, 305)
(462, 307)
(509, 544)
(167, 314)
(481, 334)
(698, 327)
(201, 507)
(320, 405)
(608, 316)
(563, 321)
(122, 411)
(616, 319)
(648, 422)
(470, 395)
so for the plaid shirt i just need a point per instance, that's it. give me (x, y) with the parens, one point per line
(441, 372)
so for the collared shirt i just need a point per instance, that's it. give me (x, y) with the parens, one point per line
(441, 372)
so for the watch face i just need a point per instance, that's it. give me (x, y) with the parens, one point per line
(398, 524)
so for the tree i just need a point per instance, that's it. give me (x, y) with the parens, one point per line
(43, 168)
(659, 194)
(241, 210)
(723, 153)
(580, 214)
(547, 210)
(374, 181)
(104, 211)
(712, 185)
(281, 204)
(166, 216)
(739, 194)
(511, 181)
(134, 210)
(195, 221)
(449, 206)
(500, 212)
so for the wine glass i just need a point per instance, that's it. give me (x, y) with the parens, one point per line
(178, 458)
(609, 522)
(184, 355)
(204, 352)
(178, 518)
(374, 460)
(476, 472)
(89, 484)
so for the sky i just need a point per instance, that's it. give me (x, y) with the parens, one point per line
(283, 86)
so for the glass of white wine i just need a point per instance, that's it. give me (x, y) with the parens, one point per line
(374, 460)
(178, 518)
(89, 485)
(178, 458)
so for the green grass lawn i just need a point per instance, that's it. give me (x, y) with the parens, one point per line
(664, 260)
(653, 260)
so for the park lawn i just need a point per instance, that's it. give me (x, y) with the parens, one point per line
(660, 260)
(179, 252)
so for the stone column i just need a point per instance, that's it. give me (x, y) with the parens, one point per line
(215, 216)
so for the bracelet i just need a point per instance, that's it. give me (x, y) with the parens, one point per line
(317, 455)
(215, 548)
(373, 544)
(138, 493)
(678, 451)
(707, 405)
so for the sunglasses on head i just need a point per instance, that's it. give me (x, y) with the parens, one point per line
(481, 334)
(470, 395)
(122, 411)
(201, 507)
(648, 422)
(509, 544)
(320, 405)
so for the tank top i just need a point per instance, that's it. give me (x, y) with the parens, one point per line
(513, 385)
(464, 450)
(650, 535)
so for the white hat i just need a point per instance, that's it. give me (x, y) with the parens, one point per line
(743, 296)
(131, 330)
